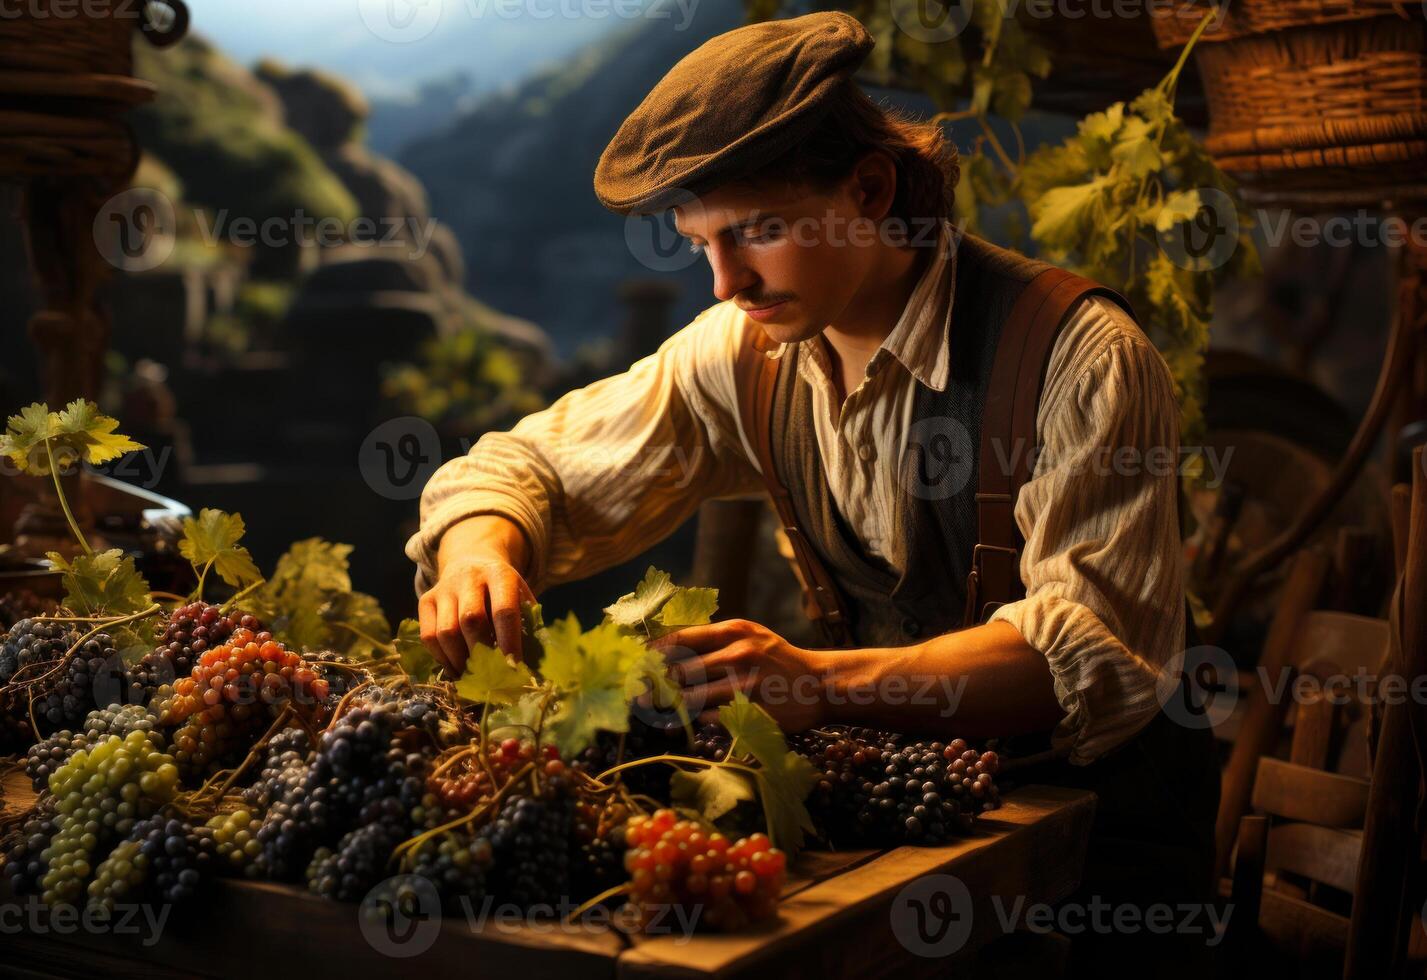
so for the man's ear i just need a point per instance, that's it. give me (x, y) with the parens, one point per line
(873, 183)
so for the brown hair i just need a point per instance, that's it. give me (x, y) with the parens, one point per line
(928, 165)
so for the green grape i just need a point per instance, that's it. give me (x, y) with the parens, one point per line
(101, 792)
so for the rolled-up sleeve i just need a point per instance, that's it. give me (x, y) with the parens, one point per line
(609, 469)
(1104, 594)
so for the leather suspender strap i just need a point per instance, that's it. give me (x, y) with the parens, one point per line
(1008, 432)
(756, 376)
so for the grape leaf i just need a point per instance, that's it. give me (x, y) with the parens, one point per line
(82, 427)
(355, 624)
(711, 792)
(103, 584)
(784, 777)
(597, 673)
(523, 714)
(416, 661)
(492, 679)
(1178, 206)
(643, 604)
(25, 435)
(214, 537)
(1135, 148)
(687, 607)
(1063, 214)
(313, 564)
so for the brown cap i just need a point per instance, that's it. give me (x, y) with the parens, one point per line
(731, 105)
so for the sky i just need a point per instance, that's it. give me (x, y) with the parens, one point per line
(388, 47)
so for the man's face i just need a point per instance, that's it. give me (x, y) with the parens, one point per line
(810, 251)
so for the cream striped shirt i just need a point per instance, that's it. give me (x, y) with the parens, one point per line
(612, 468)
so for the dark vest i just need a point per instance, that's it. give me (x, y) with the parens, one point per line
(936, 507)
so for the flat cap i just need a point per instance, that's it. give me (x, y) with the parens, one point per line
(729, 106)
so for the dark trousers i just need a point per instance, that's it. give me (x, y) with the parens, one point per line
(1143, 906)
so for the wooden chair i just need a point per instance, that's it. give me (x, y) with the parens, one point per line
(1298, 855)
(1329, 870)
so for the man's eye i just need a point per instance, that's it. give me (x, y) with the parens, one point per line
(759, 237)
(696, 248)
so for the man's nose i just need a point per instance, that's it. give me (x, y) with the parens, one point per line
(731, 275)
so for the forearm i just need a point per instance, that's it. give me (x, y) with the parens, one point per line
(975, 683)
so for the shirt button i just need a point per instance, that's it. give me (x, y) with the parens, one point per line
(864, 451)
(910, 626)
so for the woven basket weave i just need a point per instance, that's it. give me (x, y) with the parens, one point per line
(1305, 94)
(51, 36)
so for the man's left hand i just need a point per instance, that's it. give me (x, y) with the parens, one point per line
(710, 662)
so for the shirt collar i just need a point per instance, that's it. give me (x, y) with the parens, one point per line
(919, 340)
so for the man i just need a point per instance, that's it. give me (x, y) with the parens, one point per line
(825, 220)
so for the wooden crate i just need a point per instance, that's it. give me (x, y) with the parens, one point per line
(836, 919)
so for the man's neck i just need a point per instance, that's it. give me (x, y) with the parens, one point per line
(872, 315)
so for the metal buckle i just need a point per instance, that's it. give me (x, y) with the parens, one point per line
(976, 552)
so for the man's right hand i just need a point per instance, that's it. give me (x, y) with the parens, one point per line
(478, 591)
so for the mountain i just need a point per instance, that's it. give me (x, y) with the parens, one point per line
(513, 179)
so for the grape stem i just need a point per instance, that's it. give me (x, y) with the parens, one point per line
(602, 896)
(499, 794)
(63, 503)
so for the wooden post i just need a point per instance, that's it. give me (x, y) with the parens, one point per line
(1382, 919)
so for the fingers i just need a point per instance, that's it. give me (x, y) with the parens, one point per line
(426, 609)
(701, 639)
(475, 621)
(711, 695)
(473, 606)
(448, 632)
(505, 596)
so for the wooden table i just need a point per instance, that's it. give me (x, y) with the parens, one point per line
(841, 915)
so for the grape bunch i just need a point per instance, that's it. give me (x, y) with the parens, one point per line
(597, 847)
(897, 793)
(45, 757)
(68, 700)
(102, 792)
(461, 788)
(388, 816)
(722, 885)
(163, 859)
(235, 837)
(31, 651)
(349, 870)
(642, 741)
(25, 861)
(456, 863)
(284, 767)
(189, 631)
(233, 695)
(358, 763)
(530, 851)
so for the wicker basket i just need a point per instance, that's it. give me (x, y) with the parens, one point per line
(1307, 95)
(53, 37)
